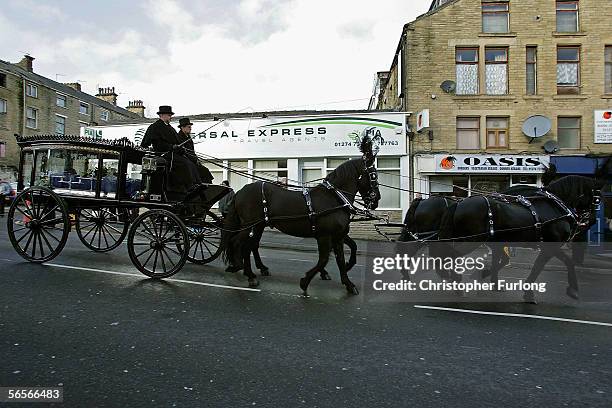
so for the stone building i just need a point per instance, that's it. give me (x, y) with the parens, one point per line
(476, 72)
(33, 104)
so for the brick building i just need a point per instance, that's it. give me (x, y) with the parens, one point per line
(474, 72)
(33, 104)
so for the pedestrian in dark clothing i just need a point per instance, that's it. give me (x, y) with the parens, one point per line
(161, 135)
(225, 201)
(184, 137)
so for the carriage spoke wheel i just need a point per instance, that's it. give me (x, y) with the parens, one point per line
(205, 239)
(38, 224)
(156, 243)
(102, 229)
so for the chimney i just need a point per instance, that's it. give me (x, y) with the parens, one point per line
(108, 95)
(74, 85)
(136, 107)
(26, 63)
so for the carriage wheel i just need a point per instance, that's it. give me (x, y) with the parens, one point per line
(156, 243)
(38, 224)
(102, 229)
(205, 239)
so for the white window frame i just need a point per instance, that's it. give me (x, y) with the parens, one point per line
(35, 118)
(31, 90)
(60, 116)
(399, 171)
(104, 115)
(81, 103)
(57, 96)
(3, 105)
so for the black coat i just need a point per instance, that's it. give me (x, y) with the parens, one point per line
(160, 136)
(187, 143)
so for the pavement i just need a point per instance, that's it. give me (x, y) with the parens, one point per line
(110, 337)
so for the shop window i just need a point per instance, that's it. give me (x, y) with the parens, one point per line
(495, 18)
(489, 184)
(238, 180)
(3, 105)
(527, 179)
(567, 16)
(311, 170)
(60, 100)
(60, 124)
(32, 118)
(389, 174)
(3, 80)
(466, 60)
(496, 71)
(468, 133)
(333, 163)
(83, 108)
(32, 90)
(273, 170)
(568, 70)
(532, 70)
(449, 185)
(497, 132)
(608, 80)
(217, 172)
(568, 132)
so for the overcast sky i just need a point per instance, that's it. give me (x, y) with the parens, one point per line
(204, 56)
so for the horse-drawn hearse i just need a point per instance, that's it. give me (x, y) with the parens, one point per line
(108, 190)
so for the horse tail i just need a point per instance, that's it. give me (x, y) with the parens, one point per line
(231, 224)
(410, 221)
(447, 225)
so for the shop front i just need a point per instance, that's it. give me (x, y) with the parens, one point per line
(462, 175)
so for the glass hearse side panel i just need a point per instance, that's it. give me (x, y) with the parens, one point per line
(68, 171)
(25, 179)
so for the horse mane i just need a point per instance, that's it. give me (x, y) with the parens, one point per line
(569, 188)
(347, 170)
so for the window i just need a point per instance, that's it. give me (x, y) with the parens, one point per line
(495, 18)
(60, 125)
(3, 105)
(568, 70)
(497, 132)
(568, 132)
(311, 169)
(389, 174)
(468, 133)
(84, 108)
(238, 180)
(467, 71)
(608, 80)
(32, 118)
(104, 115)
(32, 90)
(567, 16)
(60, 100)
(2, 79)
(273, 170)
(399, 73)
(532, 71)
(496, 71)
(2, 149)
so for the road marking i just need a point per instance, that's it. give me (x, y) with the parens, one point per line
(214, 285)
(527, 316)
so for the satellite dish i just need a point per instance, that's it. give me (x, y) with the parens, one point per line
(551, 146)
(536, 126)
(448, 86)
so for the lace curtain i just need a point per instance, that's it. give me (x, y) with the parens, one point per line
(496, 79)
(567, 74)
(467, 79)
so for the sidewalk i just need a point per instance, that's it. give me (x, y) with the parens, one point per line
(598, 264)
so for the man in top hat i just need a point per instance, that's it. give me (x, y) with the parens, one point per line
(162, 136)
(184, 137)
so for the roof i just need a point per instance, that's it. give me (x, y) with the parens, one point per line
(237, 115)
(122, 144)
(64, 89)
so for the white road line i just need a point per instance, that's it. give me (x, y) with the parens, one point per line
(527, 316)
(141, 276)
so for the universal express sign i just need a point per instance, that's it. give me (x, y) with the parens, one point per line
(497, 163)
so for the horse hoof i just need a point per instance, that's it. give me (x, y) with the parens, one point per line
(571, 292)
(304, 284)
(529, 297)
(265, 271)
(253, 283)
(325, 276)
(352, 290)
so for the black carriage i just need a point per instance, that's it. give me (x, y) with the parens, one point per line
(108, 190)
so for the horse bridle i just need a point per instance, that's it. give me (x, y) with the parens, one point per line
(372, 175)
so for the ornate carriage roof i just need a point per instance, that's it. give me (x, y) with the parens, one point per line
(119, 145)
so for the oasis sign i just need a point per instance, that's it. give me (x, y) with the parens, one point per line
(493, 163)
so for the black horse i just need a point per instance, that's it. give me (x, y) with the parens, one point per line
(554, 214)
(322, 212)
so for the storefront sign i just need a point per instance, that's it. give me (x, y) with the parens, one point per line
(603, 126)
(494, 163)
(286, 137)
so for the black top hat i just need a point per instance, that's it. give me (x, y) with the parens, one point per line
(165, 109)
(184, 122)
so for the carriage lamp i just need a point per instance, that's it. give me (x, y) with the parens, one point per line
(149, 164)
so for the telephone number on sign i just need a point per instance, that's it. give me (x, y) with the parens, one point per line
(31, 394)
